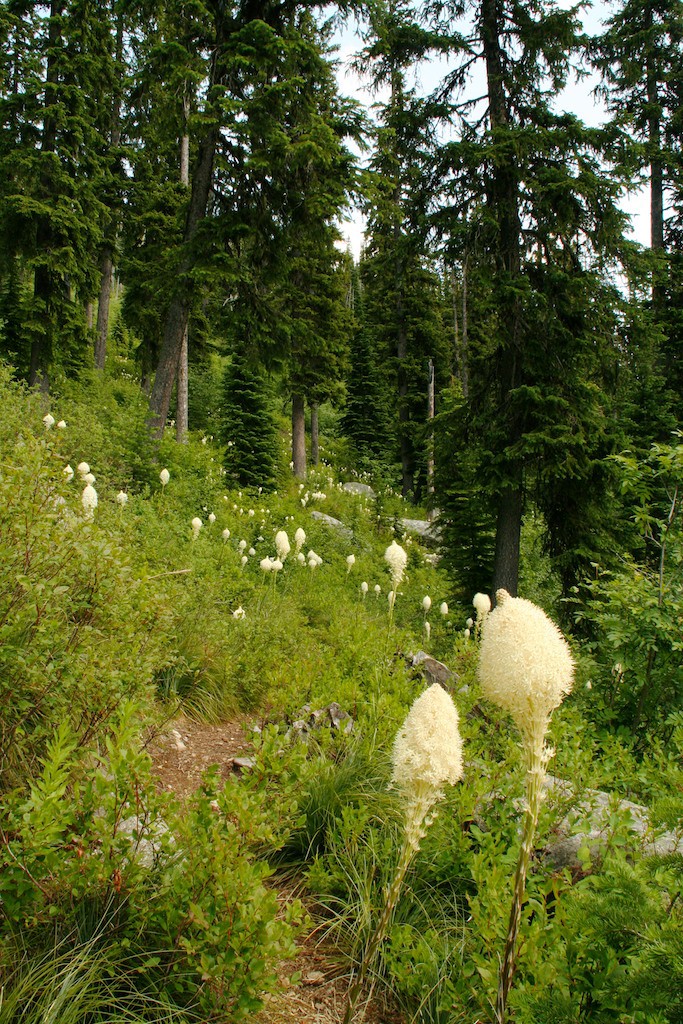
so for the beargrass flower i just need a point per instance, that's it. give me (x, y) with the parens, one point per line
(226, 534)
(467, 633)
(482, 604)
(525, 666)
(427, 756)
(443, 608)
(212, 518)
(239, 613)
(282, 545)
(364, 588)
(377, 589)
(61, 425)
(301, 558)
(299, 539)
(266, 564)
(68, 473)
(121, 498)
(242, 545)
(428, 629)
(469, 623)
(350, 562)
(49, 421)
(89, 500)
(89, 478)
(426, 603)
(251, 552)
(397, 560)
(276, 565)
(164, 476)
(83, 468)
(196, 527)
(244, 560)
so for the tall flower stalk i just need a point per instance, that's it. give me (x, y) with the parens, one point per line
(525, 667)
(427, 755)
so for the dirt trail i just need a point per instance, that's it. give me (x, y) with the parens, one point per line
(180, 755)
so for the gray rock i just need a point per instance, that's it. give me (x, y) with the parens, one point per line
(242, 764)
(423, 528)
(591, 816)
(434, 671)
(145, 838)
(353, 487)
(334, 524)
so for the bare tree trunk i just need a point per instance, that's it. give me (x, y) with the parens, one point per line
(102, 328)
(112, 227)
(45, 281)
(504, 200)
(430, 417)
(315, 438)
(182, 386)
(298, 437)
(178, 313)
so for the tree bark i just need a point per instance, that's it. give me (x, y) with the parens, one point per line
(298, 437)
(182, 387)
(504, 200)
(102, 328)
(45, 281)
(315, 438)
(178, 314)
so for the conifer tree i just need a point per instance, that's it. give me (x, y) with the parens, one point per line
(535, 213)
(248, 428)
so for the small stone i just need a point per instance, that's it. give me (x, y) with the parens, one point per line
(313, 978)
(241, 764)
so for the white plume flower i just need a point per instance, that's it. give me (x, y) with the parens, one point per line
(212, 518)
(397, 559)
(276, 565)
(282, 545)
(428, 628)
(427, 755)
(377, 589)
(525, 665)
(196, 526)
(244, 560)
(443, 608)
(426, 602)
(301, 558)
(251, 552)
(299, 539)
(49, 421)
(469, 623)
(266, 564)
(482, 604)
(89, 478)
(61, 425)
(467, 633)
(239, 613)
(83, 468)
(89, 500)
(68, 473)
(364, 588)
(242, 545)
(350, 562)
(121, 498)
(164, 476)
(226, 534)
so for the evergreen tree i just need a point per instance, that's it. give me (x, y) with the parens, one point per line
(248, 428)
(533, 213)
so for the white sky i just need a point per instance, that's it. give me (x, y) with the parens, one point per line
(576, 98)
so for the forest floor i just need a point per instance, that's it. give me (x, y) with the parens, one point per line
(180, 755)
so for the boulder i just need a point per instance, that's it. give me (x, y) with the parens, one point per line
(334, 524)
(353, 487)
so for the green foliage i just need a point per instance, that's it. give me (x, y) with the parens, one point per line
(635, 613)
(248, 429)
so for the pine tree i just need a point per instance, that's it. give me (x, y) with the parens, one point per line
(248, 428)
(542, 238)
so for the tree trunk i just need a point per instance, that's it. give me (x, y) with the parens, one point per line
(45, 281)
(315, 440)
(504, 201)
(298, 437)
(102, 328)
(179, 310)
(182, 387)
(182, 416)
(508, 531)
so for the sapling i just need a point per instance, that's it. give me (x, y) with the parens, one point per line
(427, 755)
(525, 666)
